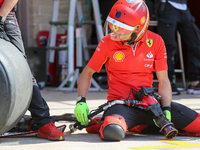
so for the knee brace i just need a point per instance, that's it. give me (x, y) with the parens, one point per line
(113, 128)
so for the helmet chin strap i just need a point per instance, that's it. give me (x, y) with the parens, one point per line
(132, 40)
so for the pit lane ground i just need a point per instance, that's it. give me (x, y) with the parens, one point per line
(63, 102)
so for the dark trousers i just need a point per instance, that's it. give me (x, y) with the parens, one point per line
(181, 20)
(181, 115)
(38, 107)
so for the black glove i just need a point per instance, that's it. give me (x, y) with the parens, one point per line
(3, 33)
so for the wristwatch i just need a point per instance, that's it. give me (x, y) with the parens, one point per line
(80, 99)
(2, 19)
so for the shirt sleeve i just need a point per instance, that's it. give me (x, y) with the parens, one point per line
(100, 56)
(161, 56)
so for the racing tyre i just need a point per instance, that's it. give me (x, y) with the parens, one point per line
(15, 86)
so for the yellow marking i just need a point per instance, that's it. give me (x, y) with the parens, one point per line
(143, 19)
(60, 138)
(175, 144)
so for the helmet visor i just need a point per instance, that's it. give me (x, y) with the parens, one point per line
(118, 31)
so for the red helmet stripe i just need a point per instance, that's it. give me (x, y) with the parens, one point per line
(145, 26)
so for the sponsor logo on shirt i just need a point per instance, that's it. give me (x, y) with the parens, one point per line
(149, 56)
(148, 65)
(149, 42)
(99, 45)
(98, 49)
(148, 59)
(118, 56)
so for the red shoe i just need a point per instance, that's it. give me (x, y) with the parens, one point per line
(50, 132)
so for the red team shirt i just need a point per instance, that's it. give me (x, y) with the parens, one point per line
(127, 66)
(1, 2)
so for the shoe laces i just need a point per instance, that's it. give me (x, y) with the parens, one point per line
(52, 125)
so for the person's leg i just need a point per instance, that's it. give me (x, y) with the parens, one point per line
(185, 120)
(119, 119)
(13, 32)
(167, 23)
(38, 107)
(40, 114)
(113, 128)
(166, 30)
(190, 33)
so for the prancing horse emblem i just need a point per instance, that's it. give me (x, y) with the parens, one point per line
(149, 42)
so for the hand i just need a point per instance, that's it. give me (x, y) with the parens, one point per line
(3, 33)
(81, 112)
(167, 114)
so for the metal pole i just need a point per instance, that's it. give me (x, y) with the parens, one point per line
(181, 60)
(71, 37)
(53, 32)
(97, 17)
(83, 33)
(79, 60)
(79, 55)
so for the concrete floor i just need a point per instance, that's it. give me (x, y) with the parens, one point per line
(63, 102)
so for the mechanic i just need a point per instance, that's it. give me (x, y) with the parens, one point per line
(130, 53)
(9, 31)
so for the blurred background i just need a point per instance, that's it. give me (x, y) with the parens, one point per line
(35, 16)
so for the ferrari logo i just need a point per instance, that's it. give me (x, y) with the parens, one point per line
(149, 42)
(115, 27)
